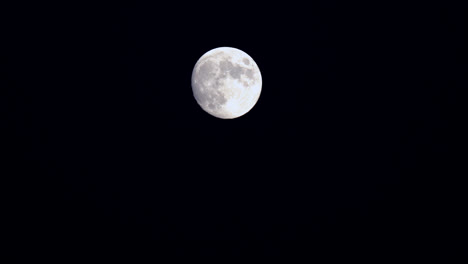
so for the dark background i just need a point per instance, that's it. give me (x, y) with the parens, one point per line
(106, 150)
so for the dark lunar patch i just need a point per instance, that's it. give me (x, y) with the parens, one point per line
(218, 83)
(206, 71)
(236, 72)
(210, 97)
(246, 61)
(250, 74)
(225, 66)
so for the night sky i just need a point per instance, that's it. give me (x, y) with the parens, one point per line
(107, 151)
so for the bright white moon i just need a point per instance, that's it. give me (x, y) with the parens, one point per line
(226, 82)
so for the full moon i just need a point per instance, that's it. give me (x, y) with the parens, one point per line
(226, 82)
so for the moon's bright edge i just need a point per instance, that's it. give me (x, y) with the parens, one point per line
(226, 82)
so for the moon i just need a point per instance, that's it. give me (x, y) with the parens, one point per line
(226, 82)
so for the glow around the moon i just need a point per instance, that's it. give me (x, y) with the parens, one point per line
(226, 82)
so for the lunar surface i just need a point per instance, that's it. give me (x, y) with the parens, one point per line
(226, 82)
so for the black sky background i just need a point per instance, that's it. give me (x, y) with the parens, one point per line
(107, 150)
